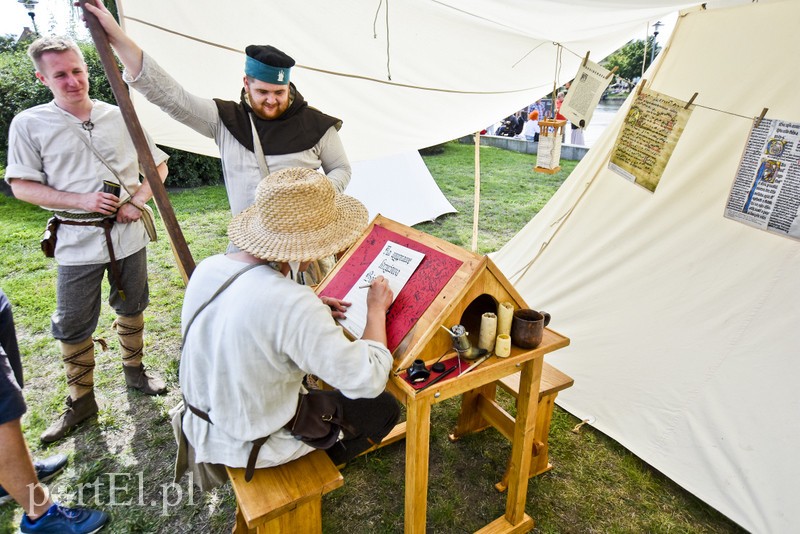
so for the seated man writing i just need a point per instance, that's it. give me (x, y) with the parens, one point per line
(245, 353)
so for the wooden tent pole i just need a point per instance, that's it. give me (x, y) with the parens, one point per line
(180, 249)
(477, 200)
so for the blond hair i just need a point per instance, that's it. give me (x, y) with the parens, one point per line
(51, 44)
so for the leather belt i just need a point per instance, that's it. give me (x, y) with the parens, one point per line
(249, 470)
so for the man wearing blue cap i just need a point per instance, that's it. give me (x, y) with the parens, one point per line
(271, 128)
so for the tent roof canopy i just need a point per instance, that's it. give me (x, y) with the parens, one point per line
(401, 75)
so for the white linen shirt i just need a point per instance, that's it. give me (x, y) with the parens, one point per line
(245, 356)
(239, 165)
(42, 148)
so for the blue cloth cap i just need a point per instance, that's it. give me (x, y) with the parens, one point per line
(268, 64)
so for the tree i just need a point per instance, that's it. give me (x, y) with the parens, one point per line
(7, 43)
(629, 58)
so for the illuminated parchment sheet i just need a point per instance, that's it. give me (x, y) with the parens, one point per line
(766, 190)
(396, 263)
(584, 93)
(648, 137)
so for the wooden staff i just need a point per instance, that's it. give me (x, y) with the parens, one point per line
(180, 249)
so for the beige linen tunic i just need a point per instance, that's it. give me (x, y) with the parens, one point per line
(43, 148)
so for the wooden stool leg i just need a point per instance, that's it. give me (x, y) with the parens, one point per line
(306, 518)
(240, 526)
(540, 463)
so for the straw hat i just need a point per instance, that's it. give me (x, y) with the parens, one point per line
(297, 216)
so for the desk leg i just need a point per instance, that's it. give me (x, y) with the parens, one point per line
(524, 433)
(418, 430)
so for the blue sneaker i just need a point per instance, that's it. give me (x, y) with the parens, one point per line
(45, 470)
(62, 520)
(50, 467)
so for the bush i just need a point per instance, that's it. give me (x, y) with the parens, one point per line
(187, 169)
(20, 90)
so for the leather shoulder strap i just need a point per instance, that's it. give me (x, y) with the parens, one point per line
(222, 288)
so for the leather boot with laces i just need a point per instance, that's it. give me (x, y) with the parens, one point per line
(138, 378)
(78, 410)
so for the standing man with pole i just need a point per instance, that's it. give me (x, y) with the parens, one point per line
(271, 128)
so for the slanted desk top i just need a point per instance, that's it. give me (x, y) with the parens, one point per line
(452, 286)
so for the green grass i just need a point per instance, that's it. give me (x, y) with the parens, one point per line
(595, 486)
(511, 194)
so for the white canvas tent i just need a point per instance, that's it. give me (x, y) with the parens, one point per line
(685, 345)
(681, 321)
(401, 75)
(407, 192)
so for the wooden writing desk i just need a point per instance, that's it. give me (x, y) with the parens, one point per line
(452, 286)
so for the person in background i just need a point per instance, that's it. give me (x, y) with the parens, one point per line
(576, 137)
(508, 127)
(521, 118)
(61, 156)
(20, 477)
(531, 130)
(560, 100)
(559, 116)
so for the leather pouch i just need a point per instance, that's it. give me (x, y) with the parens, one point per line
(48, 241)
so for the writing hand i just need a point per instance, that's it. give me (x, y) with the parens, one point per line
(380, 294)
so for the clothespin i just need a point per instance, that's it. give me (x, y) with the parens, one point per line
(610, 74)
(689, 103)
(761, 117)
(641, 86)
(585, 59)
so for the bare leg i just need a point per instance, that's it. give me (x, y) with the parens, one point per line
(17, 474)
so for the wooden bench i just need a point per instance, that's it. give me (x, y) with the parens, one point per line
(552, 382)
(286, 498)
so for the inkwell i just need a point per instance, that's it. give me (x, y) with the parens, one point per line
(462, 345)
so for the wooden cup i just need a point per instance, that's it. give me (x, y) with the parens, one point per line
(527, 328)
